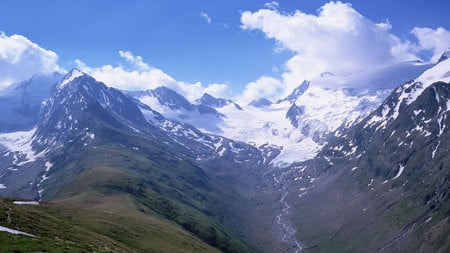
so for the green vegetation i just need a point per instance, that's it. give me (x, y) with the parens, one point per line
(160, 183)
(64, 228)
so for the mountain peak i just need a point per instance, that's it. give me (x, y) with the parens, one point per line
(261, 102)
(69, 77)
(444, 56)
(209, 100)
(297, 92)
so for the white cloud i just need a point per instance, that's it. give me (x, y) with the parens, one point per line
(20, 59)
(206, 17)
(136, 61)
(218, 90)
(437, 41)
(140, 76)
(264, 87)
(271, 5)
(338, 39)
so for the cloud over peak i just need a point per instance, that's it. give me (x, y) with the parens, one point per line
(436, 41)
(20, 59)
(338, 39)
(138, 75)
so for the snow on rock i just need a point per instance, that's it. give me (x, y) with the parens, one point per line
(440, 72)
(400, 171)
(19, 143)
(48, 165)
(2, 186)
(72, 75)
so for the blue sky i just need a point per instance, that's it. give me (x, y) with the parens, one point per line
(201, 42)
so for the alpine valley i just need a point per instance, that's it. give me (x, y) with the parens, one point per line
(354, 163)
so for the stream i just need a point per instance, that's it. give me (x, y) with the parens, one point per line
(283, 227)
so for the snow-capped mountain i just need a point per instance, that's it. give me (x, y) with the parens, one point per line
(69, 122)
(20, 102)
(93, 142)
(164, 152)
(65, 123)
(173, 106)
(64, 116)
(299, 123)
(209, 100)
(388, 170)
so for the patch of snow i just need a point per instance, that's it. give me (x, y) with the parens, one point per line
(13, 231)
(371, 182)
(35, 203)
(354, 168)
(301, 151)
(48, 165)
(400, 171)
(20, 144)
(222, 151)
(2, 186)
(435, 149)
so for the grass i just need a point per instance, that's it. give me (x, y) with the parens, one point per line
(108, 227)
(157, 182)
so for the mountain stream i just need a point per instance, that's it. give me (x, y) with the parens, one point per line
(283, 228)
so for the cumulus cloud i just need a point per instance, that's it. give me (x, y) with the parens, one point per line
(138, 75)
(264, 87)
(338, 40)
(20, 59)
(436, 41)
(206, 17)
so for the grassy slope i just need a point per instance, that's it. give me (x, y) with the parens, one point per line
(67, 228)
(157, 182)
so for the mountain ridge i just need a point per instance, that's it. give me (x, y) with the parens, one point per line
(198, 167)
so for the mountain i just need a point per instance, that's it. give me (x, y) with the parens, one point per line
(92, 147)
(297, 125)
(20, 102)
(262, 102)
(300, 123)
(338, 165)
(444, 56)
(297, 92)
(211, 101)
(383, 184)
(173, 106)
